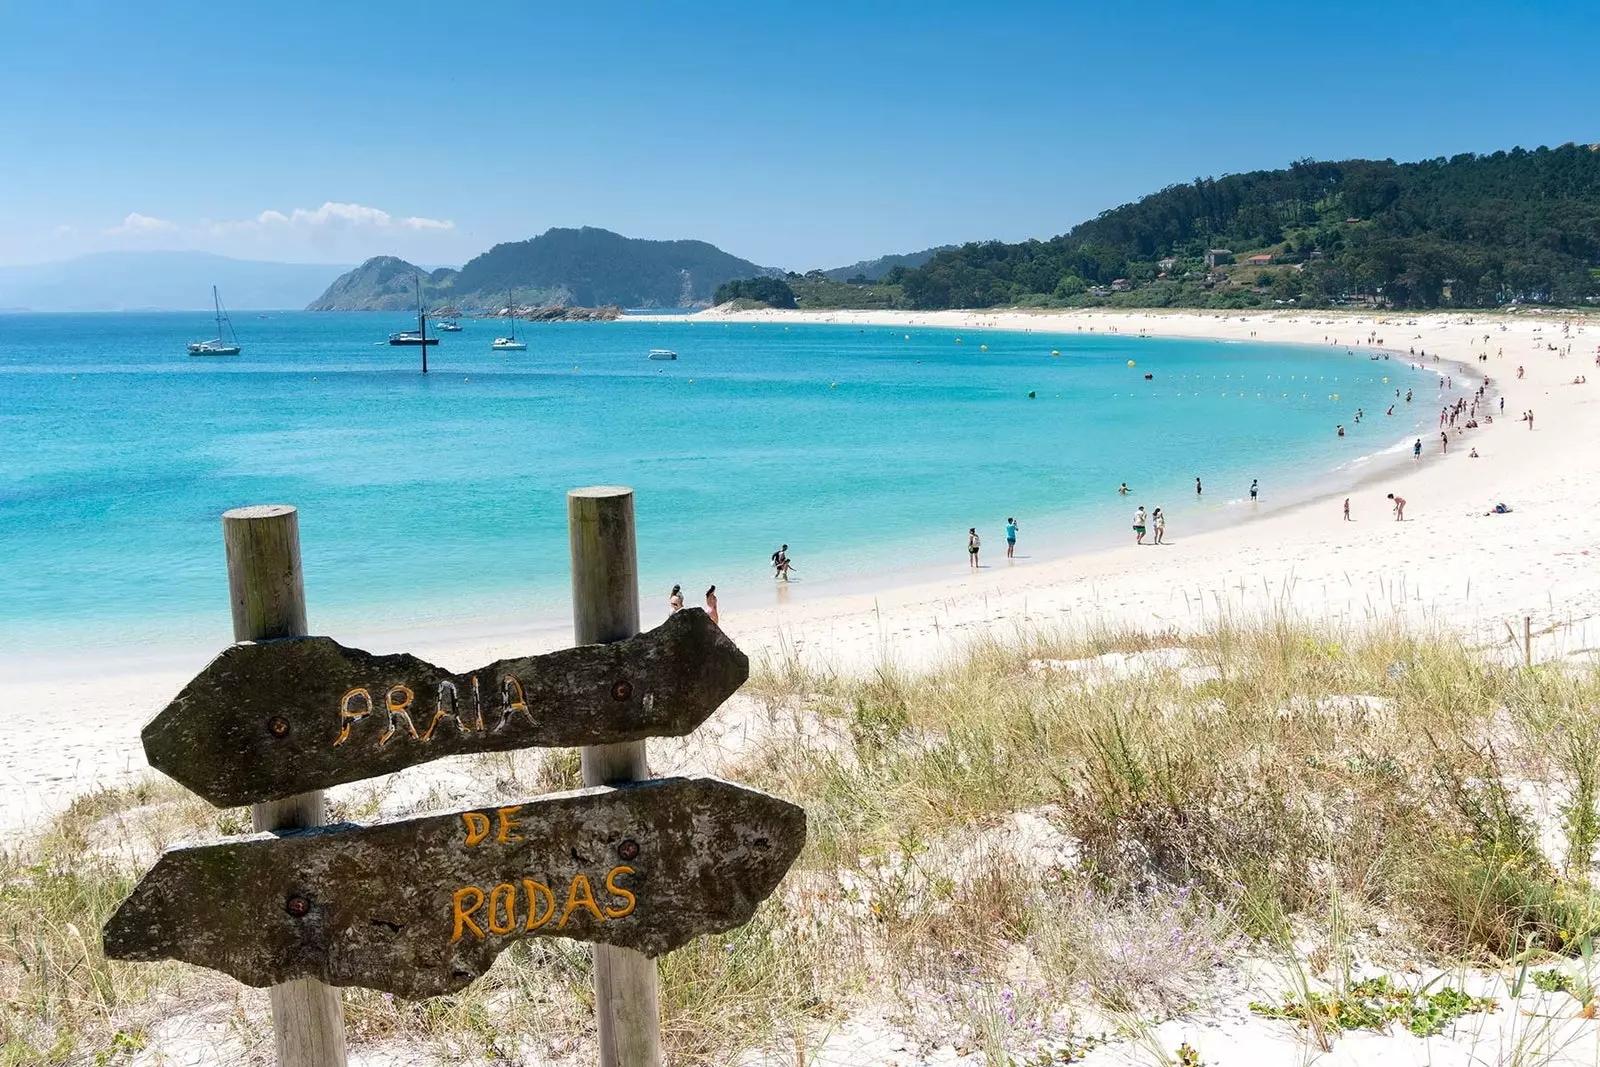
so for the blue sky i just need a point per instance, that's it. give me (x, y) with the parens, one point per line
(796, 135)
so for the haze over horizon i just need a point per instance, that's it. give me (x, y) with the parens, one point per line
(791, 138)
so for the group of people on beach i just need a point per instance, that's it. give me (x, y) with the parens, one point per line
(675, 602)
(975, 542)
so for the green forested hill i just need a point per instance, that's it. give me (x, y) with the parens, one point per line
(1470, 231)
(587, 267)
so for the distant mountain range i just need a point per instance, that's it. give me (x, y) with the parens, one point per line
(585, 267)
(160, 281)
(874, 269)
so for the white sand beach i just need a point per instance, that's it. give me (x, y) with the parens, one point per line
(1447, 565)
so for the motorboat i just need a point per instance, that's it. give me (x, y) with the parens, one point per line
(662, 353)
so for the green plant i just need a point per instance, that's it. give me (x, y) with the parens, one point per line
(1375, 1004)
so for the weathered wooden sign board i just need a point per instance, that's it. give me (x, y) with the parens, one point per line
(270, 719)
(419, 907)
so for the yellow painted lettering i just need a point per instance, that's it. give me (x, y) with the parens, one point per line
(464, 915)
(617, 891)
(503, 897)
(507, 824)
(511, 699)
(533, 889)
(350, 715)
(399, 701)
(576, 901)
(477, 826)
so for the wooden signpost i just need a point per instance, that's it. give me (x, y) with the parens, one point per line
(422, 906)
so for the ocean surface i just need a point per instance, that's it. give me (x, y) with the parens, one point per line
(438, 501)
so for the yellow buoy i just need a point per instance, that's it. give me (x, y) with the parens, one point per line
(1130, 362)
(958, 340)
(983, 348)
(835, 385)
(1055, 352)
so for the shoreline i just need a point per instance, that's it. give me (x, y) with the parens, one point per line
(1447, 565)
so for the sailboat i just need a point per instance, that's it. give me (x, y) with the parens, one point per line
(419, 336)
(510, 344)
(217, 346)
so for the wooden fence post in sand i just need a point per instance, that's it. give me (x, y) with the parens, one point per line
(269, 600)
(605, 608)
(1527, 640)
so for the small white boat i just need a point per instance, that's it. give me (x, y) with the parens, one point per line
(217, 346)
(447, 326)
(509, 344)
(662, 353)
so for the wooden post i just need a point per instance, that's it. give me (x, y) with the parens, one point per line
(1527, 640)
(269, 600)
(605, 608)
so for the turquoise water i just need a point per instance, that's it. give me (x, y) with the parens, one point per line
(440, 499)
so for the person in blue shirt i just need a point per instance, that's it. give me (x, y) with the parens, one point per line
(1011, 538)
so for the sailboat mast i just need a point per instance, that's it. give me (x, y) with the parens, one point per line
(216, 306)
(422, 324)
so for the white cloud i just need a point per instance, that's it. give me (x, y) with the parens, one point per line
(332, 215)
(137, 223)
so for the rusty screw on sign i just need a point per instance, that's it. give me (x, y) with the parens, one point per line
(278, 726)
(299, 907)
(629, 849)
(622, 691)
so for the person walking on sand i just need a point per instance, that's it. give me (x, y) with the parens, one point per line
(711, 605)
(1011, 538)
(675, 601)
(1346, 509)
(1444, 444)
(1399, 507)
(1138, 526)
(974, 542)
(1416, 449)
(1160, 521)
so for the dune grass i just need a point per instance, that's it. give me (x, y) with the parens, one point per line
(1042, 839)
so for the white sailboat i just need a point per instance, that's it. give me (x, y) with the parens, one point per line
(217, 346)
(510, 344)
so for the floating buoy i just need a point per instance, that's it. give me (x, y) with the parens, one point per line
(835, 385)
(983, 348)
(1030, 394)
(958, 340)
(466, 379)
(908, 337)
(1055, 352)
(1149, 377)
(1130, 362)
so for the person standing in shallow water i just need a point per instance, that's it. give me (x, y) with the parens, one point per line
(974, 542)
(1255, 487)
(711, 604)
(1197, 486)
(1011, 538)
